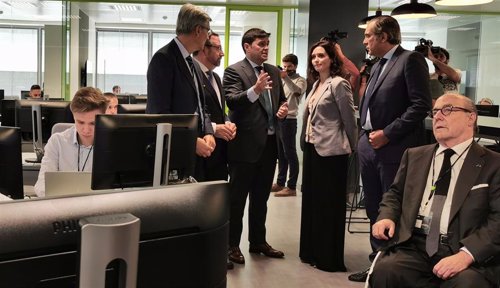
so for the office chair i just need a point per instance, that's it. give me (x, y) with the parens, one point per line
(60, 127)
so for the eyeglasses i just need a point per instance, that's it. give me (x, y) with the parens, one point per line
(209, 31)
(216, 47)
(446, 110)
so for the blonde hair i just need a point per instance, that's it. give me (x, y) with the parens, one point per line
(89, 99)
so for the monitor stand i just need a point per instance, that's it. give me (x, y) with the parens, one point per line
(163, 136)
(36, 122)
(105, 239)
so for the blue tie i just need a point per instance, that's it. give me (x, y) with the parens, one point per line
(369, 91)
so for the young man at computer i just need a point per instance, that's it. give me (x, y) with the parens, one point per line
(35, 92)
(71, 150)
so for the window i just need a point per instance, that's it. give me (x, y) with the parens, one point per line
(122, 59)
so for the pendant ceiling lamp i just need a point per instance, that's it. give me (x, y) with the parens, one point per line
(413, 10)
(364, 22)
(461, 2)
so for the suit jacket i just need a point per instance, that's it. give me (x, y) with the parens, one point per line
(475, 209)
(250, 118)
(218, 115)
(399, 102)
(171, 88)
(333, 122)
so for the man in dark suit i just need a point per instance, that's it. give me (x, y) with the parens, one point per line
(174, 79)
(255, 97)
(392, 111)
(224, 130)
(466, 252)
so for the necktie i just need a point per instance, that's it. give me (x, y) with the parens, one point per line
(369, 91)
(267, 103)
(189, 60)
(441, 190)
(210, 76)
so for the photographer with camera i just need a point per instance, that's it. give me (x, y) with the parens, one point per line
(350, 70)
(448, 77)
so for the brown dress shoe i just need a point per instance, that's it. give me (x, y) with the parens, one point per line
(276, 187)
(235, 255)
(267, 250)
(285, 192)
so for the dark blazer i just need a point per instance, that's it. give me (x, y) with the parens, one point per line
(399, 102)
(475, 209)
(250, 118)
(218, 115)
(171, 89)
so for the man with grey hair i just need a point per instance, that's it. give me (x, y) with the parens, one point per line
(174, 79)
(392, 113)
(441, 216)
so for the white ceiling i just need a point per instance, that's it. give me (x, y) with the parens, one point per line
(40, 11)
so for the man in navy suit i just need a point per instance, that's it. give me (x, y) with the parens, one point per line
(174, 79)
(392, 111)
(256, 100)
(208, 58)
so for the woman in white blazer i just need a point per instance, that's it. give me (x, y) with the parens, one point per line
(329, 135)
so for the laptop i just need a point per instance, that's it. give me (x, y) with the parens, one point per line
(63, 183)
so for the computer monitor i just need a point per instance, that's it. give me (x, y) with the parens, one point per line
(11, 169)
(131, 108)
(183, 236)
(25, 94)
(487, 110)
(125, 149)
(8, 112)
(52, 112)
(126, 99)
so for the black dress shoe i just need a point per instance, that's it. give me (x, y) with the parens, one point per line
(267, 250)
(359, 276)
(235, 255)
(230, 265)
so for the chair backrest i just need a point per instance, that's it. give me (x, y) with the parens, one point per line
(60, 127)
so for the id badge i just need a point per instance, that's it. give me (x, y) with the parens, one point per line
(423, 223)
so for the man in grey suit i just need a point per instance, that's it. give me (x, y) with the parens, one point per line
(392, 111)
(174, 80)
(255, 97)
(467, 250)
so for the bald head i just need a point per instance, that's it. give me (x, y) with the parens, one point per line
(455, 119)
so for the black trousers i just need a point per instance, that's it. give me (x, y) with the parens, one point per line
(408, 266)
(253, 180)
(322, 227)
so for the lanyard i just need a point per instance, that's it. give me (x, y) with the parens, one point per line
(433, 187)
(87, 158)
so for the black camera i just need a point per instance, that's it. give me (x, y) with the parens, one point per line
(334, 36)
(424, 46)
(369, 62)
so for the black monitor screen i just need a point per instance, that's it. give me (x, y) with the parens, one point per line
(8, 112)
(132, 108)
(52, 112)
(126, 99)
(183, 236)
(11, 171)
(124, 148)
(25, 94)
(487, 110)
